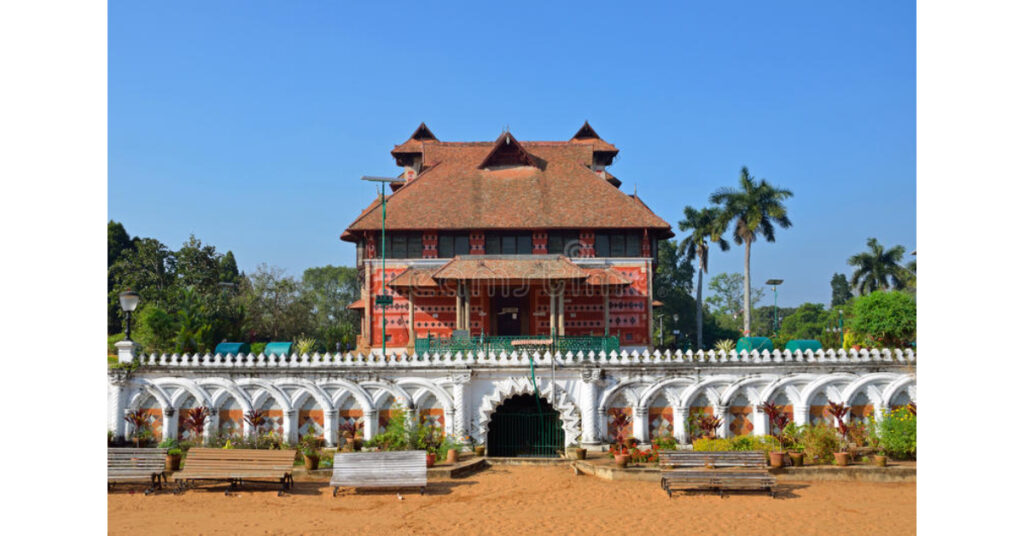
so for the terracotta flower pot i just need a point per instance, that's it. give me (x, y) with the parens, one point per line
(880, 460)
(453, 456)
(798, 458)
(842, 458)
(173, 462)
(622, 460)
(431, 458)
(480, 450)
(581, 454)
(311, 462)
(776, 458)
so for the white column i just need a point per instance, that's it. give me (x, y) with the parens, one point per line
(880, 412)
(170, 417)
(369, 424)
(291, 429)
(801, 415)
(126, 351)
(760, 420)
(116, 408)
(561, 312)
(331, 427)
(723, 429)
(602, 424)
(247, 429)
(553, 313)
(680, 417)
(460, 413)
(588, 408)
(641, 428)
(212, 426)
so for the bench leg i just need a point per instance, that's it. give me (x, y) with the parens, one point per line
(335, 491)
(284, 486)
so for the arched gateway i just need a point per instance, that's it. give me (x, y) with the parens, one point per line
(524, 425)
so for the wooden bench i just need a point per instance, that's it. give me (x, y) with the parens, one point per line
(718, 471)
(236, 466)
(398, 469)
(127, 465)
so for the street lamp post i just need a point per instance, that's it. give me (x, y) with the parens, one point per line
(129, 301)
(383, 260)
(775, 290)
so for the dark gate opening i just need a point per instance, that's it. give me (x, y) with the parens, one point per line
(518, 429)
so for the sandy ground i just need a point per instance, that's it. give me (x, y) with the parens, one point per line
(522, 500)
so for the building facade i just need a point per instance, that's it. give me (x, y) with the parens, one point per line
(506, 240)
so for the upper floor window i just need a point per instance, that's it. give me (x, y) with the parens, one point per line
(402, 245)
(617, 244)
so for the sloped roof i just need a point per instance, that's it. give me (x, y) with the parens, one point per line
(414, 277)
(559, 191)
(605, 277)
(496, 267)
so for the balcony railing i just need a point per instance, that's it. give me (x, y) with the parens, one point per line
(520, 343)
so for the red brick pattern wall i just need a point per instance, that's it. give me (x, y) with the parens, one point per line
(430, 245)
(477, 244)
(231, 422)
(587, 244)
(306, 417)
(540, 242)
(659, 421)
(740, 422)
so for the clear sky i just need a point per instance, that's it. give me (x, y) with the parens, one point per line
(250, 123)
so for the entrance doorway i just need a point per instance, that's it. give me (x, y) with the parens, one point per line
(522, 427)
(509, 314)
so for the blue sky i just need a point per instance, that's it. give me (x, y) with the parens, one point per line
(250, 123)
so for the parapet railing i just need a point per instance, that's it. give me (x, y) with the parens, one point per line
(518, 359)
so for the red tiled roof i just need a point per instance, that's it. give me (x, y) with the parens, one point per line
(561, 192)
(478, 267)
(414, 277)
(605, 277)
(358, 304)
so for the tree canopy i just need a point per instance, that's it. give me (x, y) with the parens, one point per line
(878, 268)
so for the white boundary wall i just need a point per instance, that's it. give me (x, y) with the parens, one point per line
(470, 387)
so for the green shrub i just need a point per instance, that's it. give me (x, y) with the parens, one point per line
(257, 348)
(897, 434)
(738, 443)
(395, 436)
(819, 442)
(111, 339)
(712, 445)
(888, 318)
(665, 443)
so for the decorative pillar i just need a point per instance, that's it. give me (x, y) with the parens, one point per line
(723, 429)
(680, 419)
(291, 430)
(602, 424)
(460, 413)
(170, 417)
(880, 411)
(561, 311)
(553, 313)
(247, 429)
(588, 407)
(369, 424)
(801, 415)
(760, 421)
(641, 428)
(126, 351)
(212, 426)
(116, 401)
(331, 427)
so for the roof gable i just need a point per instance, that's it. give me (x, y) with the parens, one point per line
(507, 151)
(586, 132)
(423, 133)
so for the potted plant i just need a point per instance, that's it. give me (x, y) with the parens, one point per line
(777, 421)
(173, 461)
(139, 422)
(577, 453)
(708, 425)
(452, 451)
(350, 432)
(839, 410)
(791, 436)
(478, 450)
(309, 445)
(620, 426)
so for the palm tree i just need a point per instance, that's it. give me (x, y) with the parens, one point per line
(703, 224)
(878, 268)
(757, 208)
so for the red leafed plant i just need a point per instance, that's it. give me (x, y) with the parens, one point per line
(912, 408)
(839, 410)
(777, 419)
(620, 426)
(255, 419)
(139, 422)
(708, 425)
(350, 429)
(195, 420)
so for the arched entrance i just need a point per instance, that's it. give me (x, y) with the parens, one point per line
(519, 427)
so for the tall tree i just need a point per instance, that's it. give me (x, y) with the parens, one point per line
(756, 208)
(727, 294)
(329, 289)
(878, 268)
(841, 292)
(705, 225)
